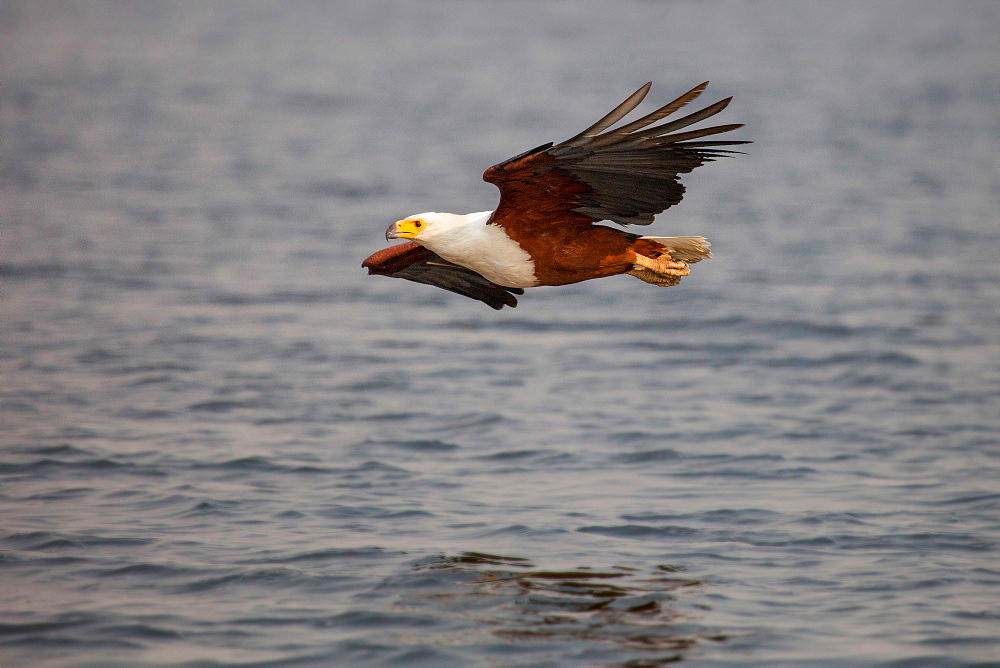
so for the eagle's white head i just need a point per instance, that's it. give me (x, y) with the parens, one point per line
(432, 226)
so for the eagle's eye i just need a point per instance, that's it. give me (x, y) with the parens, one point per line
(418, 223)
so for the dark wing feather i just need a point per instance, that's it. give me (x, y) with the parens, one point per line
(627, 175)
(415, 263)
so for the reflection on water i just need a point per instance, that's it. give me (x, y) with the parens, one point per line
(619, 606)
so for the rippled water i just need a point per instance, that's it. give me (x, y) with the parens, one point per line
(224, 444)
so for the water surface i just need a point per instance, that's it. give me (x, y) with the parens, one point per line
(223, 444)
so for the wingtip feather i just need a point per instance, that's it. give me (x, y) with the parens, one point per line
(613, 116)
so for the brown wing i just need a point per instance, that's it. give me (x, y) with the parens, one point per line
(415, 263)
(627, 175)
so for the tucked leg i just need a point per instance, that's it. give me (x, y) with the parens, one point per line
(663, 265)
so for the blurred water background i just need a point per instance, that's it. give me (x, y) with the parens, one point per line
(221, 443)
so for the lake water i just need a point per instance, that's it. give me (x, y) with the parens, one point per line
(222, 443)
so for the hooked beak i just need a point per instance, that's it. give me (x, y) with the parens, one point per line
(404, 229)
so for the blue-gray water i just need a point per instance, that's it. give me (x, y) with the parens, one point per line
(224, 444)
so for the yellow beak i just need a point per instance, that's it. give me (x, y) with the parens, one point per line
(403, 229)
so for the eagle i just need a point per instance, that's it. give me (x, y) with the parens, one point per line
(544, 230)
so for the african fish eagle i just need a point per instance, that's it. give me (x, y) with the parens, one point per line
(543, 232)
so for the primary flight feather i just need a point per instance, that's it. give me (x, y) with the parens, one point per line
(543, 232)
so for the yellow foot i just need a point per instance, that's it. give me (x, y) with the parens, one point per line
(663, 265)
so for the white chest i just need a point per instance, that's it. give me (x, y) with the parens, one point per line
(487, 250)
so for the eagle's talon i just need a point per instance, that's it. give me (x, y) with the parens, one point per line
(663, 265)
(663, 280)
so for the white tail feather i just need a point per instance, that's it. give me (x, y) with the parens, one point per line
(685, 249)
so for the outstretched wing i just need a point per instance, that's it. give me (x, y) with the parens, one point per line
(627, 175)
(415, 263)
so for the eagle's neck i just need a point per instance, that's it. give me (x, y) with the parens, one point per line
(484, 248)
